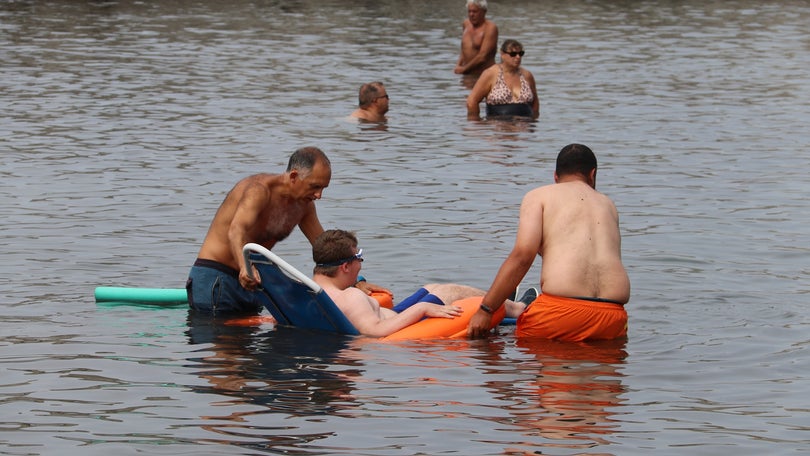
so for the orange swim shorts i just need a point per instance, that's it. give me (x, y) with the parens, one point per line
(572, 319)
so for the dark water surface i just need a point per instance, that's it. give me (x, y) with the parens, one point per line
(125, 123)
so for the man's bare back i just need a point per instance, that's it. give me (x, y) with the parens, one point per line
(575, 229)
(580, 241)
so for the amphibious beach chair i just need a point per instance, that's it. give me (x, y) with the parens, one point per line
(296, 300)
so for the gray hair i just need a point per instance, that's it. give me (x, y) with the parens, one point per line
(479, 3)
(304, 159)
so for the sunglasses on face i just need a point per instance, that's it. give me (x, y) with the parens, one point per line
(357, 256)
(515, 53)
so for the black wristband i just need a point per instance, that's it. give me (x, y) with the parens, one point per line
(487, 309)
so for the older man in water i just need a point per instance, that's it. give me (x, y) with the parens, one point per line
(372, 102)
(262, 209)
(479, 40)
(583, 283)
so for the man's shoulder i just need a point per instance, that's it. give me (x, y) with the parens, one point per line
(350, 300)
(562, 191)
(490, 73)
(260, 178)
(362, 114)
(258, 184)
(541, 190)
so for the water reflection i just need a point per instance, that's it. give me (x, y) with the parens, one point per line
(512, 124)
(283, 370)
(530, 395)
(467, 81)
(364, 125)
(572, 399)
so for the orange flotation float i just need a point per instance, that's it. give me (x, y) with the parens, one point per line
(447, 328)
(385, 299)
(254, 320)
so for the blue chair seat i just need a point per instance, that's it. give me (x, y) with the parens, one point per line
(291, 297)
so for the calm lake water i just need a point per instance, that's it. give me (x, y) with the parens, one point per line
(125, 123)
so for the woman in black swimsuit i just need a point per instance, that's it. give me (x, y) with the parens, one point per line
(509, 89)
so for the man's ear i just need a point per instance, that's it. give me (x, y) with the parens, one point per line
(294, 175)
(556, 177)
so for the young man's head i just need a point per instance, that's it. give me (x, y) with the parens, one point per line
(333, 250)
(576, 159)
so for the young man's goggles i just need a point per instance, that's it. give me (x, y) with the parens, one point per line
(357, 256)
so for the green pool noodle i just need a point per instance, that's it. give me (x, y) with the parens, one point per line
(142, 295)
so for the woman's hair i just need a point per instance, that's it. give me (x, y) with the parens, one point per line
(509, 45)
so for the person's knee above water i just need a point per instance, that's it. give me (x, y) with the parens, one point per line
(443, 293)
(338, 262)
(509, 89)
(575, 229)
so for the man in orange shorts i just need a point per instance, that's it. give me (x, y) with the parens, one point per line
(583, 283)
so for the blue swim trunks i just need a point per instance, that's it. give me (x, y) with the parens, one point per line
(421, 295)
(214, 288)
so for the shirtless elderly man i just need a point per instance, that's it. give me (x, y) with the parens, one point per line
(479, 40)
(583, 283)
(337, 265)
(263, 208)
